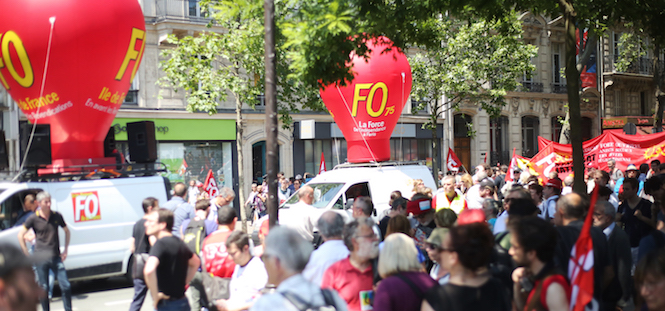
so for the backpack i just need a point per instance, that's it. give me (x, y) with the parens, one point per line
(329, 302)
(194, 235)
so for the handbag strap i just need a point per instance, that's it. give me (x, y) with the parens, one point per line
(415, 288)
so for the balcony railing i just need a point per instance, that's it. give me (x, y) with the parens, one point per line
(641, 65)
(181, 9)
(559, 88)
(529, 86)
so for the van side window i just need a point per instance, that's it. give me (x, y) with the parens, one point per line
(339, 204)
(358, 190)
(12, 209)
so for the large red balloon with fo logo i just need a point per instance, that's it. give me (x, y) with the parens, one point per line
(368, 109)
(70, 63)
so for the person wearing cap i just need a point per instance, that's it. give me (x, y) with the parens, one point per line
(18, 289)
(433, 247)
(447, 197)
(421, 208)
(551, 193)
(631, 172)
(45, 223)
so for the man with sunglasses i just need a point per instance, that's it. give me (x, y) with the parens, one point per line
(353, 277)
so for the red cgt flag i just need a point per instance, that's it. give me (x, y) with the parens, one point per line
(453, 163)
(210, 185)
(322, 165)
(580, 266)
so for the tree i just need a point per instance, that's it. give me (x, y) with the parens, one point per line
(406, 23)
(478, 61)
(228, 60)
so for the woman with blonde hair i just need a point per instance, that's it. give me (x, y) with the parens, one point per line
(467, 183)
(404, 282)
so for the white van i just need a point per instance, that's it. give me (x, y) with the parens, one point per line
(100, 215)
(334, 188)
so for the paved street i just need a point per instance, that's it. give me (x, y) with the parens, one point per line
(102, 295)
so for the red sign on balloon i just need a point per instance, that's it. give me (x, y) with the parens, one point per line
(70, 63)
(368, 109)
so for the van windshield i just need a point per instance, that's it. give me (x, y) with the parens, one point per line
(323, 194)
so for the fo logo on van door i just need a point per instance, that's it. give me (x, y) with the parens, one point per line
(86, 206)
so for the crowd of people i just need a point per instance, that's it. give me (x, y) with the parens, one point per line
(476, 243)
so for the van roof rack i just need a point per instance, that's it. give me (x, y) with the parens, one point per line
(91, 171)
(378, 164)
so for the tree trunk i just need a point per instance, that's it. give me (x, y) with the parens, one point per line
(272, 164)
(241, 180)
(435, 144)
(573, 85)
(659, 87)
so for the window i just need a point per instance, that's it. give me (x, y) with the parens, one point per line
(530, 133)
(334, 151)
(132, 94)
(195, 8)
(556, 129)
(586, 128)
(461, 127)
(408, 149)
(645, 109)
(559, 83)
(499, 143)
(192, 161)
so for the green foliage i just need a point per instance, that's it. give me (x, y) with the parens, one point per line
(478, 61)
(229, 59)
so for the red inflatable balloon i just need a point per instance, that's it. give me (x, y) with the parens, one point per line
(69, 63)
(368, 109)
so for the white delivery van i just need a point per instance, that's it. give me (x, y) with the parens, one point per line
(334, 188)
(100, 214)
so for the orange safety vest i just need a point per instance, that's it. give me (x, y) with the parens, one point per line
(458, 204)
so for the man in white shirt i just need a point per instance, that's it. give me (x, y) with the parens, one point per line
(285, 257)
(330, 226)
(301, 216)
(473, 198)
(249, 275)
(225, 197)
(192, 192)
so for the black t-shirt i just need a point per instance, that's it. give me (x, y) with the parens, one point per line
(491, 296)
(568, 237)
(173, 256)
(141, 243)
(383, 226)
(46, 232)
(635, 228)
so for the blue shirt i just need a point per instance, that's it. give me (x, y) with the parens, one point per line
(181, 211)
(21, 219)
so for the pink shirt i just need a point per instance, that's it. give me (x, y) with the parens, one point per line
(353, 285)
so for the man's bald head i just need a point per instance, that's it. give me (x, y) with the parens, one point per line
(180, 189)
(306, 194)
(572, 206)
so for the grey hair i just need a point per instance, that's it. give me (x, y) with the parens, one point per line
(612, 160)
(290, 247)
(351, 230)
(331, 225)
(607, 208)
(43, 195)
(227, 192)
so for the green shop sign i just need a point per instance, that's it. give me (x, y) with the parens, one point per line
(182, 129)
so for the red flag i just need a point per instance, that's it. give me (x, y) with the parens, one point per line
(210, 185)
(485, 161)
(580, 266)
(183, 168)
(453, 163)
(322, 165)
